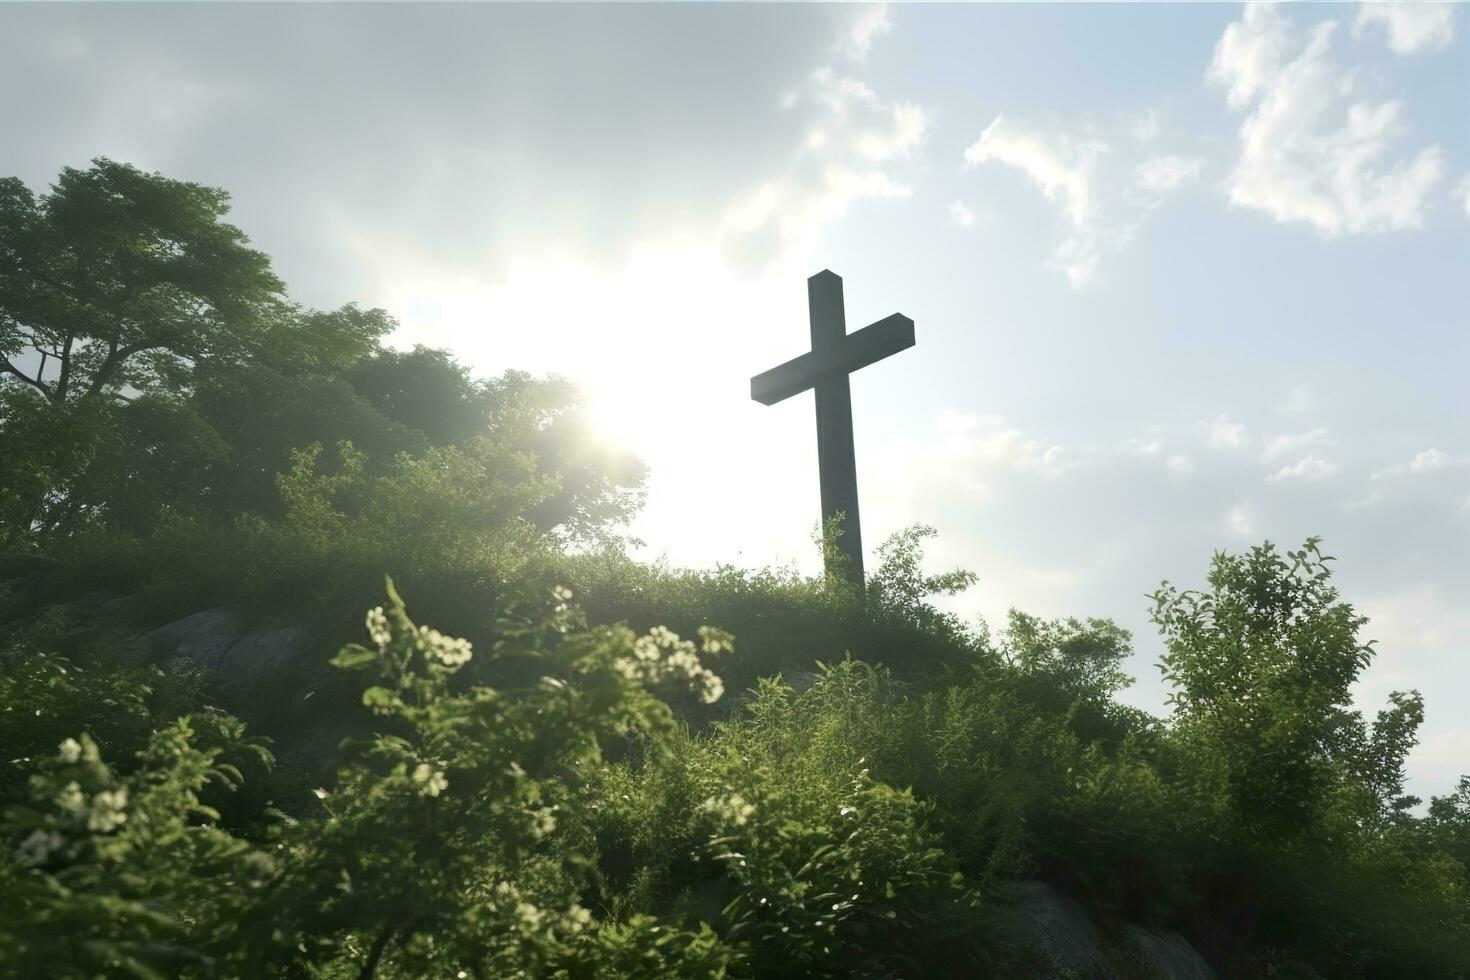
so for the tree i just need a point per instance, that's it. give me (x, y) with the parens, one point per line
(123, 279)
(123, 298)
(1263, 666)
(598, 486)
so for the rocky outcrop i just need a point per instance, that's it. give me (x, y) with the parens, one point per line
(1063, 943)
(204, 637)
(224, 641)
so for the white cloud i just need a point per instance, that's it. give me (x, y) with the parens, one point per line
(849, 153)
(1240, 520)
(1307, 153)
(1309, 467)
(1143, 447)
(1062, 167)
(1425, 462)
(906, 130)
(1146, 128)
(1166, 173)
(1179, 466)
(1405, 481)
(1299, 399)
(873, 22)
(1429, 459)
(1250, 53)
(1096, 198)
(1223, 433)
(961, 215)
(1281, 445)
(985, 441)
(1411, 27)
(1463, 192)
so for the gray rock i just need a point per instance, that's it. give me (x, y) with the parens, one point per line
(223, 640)
(264, 651)
(204, 637)
(26, 567)
(802, 680)
(1063, 943)
(1166, 955)
(1056, 930)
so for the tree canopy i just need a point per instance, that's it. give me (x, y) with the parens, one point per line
(120, 278)
(154, 368)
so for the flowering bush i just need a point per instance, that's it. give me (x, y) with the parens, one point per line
(526, 805)
(452, 843)
(127, 875)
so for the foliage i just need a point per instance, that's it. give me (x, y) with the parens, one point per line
(574, 790)
(452, 840)
(1263, 665)
(524, 803)
(152, 370)
(123, 279)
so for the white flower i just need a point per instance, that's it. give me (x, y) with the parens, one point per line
(644, 648)
(543, 822)
(446, 649)
(38, 847)
(529, 915)
(733, 810)
(714, 688)
(577, 918)
(377, 626)
(260, 864)
(430, 781)
(108, 810)
(71, 799)
(715, 640)
(70, 750)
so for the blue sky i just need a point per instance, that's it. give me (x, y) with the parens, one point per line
(1184, 277)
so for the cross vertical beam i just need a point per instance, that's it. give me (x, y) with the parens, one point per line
(835, 354)
(836, 455)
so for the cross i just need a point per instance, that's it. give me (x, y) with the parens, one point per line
(834, 355)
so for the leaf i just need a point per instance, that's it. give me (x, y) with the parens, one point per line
(381, 700)
(354, 657)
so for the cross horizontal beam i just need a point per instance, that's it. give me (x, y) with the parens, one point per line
(857, 350)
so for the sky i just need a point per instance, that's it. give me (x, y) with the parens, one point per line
(1184, 278)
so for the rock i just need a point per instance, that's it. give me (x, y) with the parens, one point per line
(26, 567)
(1057, 931)
(222, 640)
(204, 637)
(1063, 943)
(264, 651)
(1166, 955)
(802, 680)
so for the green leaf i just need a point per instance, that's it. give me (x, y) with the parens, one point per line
(354, 657)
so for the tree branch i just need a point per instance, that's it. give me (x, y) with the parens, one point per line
(115, 357)
(36, 383)
(370, 968)
(63, 381)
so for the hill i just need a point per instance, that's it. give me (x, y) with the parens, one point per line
(234, 748)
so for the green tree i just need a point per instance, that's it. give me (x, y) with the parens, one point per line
(123, 278)
(1262, 666)
(124, 298)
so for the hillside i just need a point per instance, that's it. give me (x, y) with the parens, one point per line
(324, 659)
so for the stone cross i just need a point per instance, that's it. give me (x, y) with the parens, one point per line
(834, 355)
